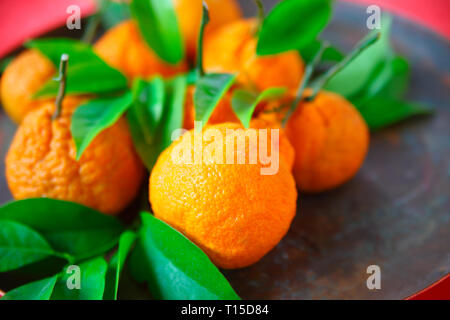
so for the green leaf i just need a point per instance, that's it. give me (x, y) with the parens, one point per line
(394, 81)
(173, 109)
(309, 70)
(92, 282)
(389, 80)
(20, 246)
(86, 72)
(4, 63)
(174, 267)
(87, 78)
(292, 24)
(360, 47)
(157, 110)
(205, 20)
(330, 53)
(208, 92)
(37, 290)
(382, 78)
(362, 67)
(192, 76)
(244, 102)
(210, 88)
(144, 118)
(53, 48)
(68, 227)
(158, 24)
(116, 264)
(91, 118)
(381, 112)
(150, 96)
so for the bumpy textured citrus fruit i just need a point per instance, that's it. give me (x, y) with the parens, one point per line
(330, 139)
(21, 79)
(41, 162)
(232, 48)
(189, 13)
(232, 211)
(224, 113)
(123, 48)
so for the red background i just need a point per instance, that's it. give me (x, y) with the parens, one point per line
(40, 16)
(434, 14)
(24, 19)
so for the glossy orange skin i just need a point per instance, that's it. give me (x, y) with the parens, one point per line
(287, 152)
(41, 162)
(235, 214)
(232, 49)
(123, 48)
(330, 139)
(224, 113)
(189, 13)
(22, 78)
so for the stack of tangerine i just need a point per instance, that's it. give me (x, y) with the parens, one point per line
(232, 211)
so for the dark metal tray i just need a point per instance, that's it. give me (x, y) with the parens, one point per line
(395, 213)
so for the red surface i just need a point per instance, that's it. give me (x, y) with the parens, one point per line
(433, 14)
(439, 290)
(39, 16)
(24, 19)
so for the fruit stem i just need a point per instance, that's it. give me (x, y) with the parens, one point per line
(320, 82)
(261, 15)
(94, 22)
(91, 28)
(62, 84)
(205, 21)
(308, 73)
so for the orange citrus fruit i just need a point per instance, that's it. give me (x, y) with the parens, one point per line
(22, 78)
(330, 139)
(123, 48)
(189, 13)
(232, 49)
(287, 152)
(232, 211)
(41, 162)
(224, 113)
